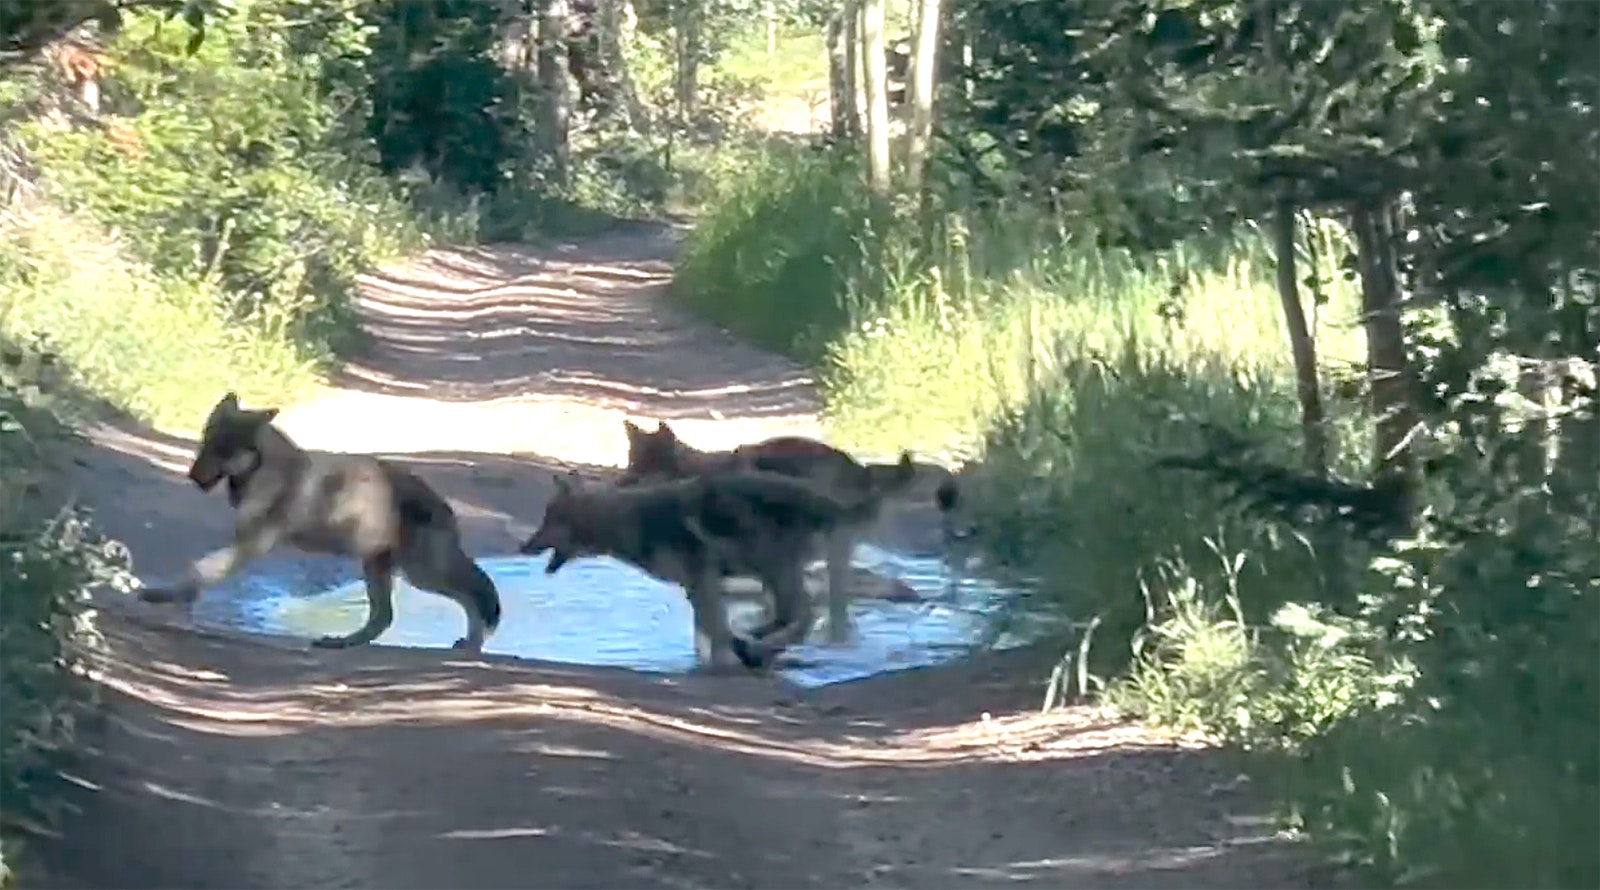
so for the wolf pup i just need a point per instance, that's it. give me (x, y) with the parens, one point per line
(662, 455)
(342, 504)
(692, 532)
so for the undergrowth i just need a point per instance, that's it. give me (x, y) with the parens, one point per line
(155, 346)
(1395, 702)
(50, 557)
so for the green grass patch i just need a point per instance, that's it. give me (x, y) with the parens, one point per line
(797, 66)
(159, 348)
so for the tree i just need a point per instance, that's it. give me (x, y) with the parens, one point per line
(876, 73)
(688, 24)
(924, 65)
(555, 116)
(614, 21)
(841, 42)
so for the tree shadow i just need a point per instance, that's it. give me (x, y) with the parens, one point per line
(580, 320)
(232, 764)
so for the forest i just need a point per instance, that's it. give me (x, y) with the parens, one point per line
(1265, 331)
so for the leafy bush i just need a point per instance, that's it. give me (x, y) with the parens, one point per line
(50, 557)
(782, 247)
(231, 168)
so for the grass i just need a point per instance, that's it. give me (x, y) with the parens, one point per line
(1433, 746)
(797, 66)
(1063, 370)
(148, 344)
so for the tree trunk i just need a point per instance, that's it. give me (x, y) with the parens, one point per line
(613, 25)
(1313, 422)
(689, 47)
(838, 77)
(555, 85)
(875, 69)
(851, 15)
(1388, 370)
(924, 65)
(769, 12)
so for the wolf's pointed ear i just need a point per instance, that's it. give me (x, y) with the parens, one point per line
(560, 480)
(633, 430)
(229, 401)
(665, 431)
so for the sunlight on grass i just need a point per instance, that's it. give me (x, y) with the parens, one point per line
(156, 348)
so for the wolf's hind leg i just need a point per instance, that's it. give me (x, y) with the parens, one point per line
(792, 602)
(378, 572)
(440, 566)
(839, 548)
(714, 644)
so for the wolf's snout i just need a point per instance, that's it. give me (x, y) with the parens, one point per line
(205, 476)
(531, 547)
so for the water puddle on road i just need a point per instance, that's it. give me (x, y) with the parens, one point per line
(602, 612)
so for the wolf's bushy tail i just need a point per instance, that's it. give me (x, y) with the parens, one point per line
(485, 596)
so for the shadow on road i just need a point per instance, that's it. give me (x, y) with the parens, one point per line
(238, 765)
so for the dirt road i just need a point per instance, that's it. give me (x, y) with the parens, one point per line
(229, 762)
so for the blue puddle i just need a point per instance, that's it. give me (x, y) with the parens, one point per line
(602, 612)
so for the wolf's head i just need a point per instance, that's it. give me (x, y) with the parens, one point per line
(230, 443)
(652, 456)
(564, 529)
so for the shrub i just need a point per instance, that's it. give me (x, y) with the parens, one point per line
(228, 167)
(782, 247)
(50, 557)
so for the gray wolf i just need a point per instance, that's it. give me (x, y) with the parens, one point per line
(694, 532)
(342, 504)
(661, 455)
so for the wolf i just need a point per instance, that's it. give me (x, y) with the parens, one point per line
(662, 455)
(342, 504)
(694, 532)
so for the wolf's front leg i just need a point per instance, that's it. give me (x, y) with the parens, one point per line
(839, 548)
(713, 641)
(378, 572)
(213, 568)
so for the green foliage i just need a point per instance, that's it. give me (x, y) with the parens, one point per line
(1427, 704)
(776, 256)
(50, 558)
(224, 168)
(440, 98)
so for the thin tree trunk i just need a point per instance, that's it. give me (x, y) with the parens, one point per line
(875, 70)
(1313, 421)
(924, 66)
(613, 20)
(851, 15)
(1315, 443)
(769, 12)
(554, 82)
(839, 103)
(1388, 371)
(689, 46)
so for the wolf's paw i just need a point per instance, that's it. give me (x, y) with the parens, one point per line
(749, 654)
(166, 594)
(467, 644)
(331, 643)
(841, 634)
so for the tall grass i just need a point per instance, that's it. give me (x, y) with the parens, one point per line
(156, 346)
(1065, 371)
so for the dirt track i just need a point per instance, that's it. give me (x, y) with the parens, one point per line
(232, 763)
